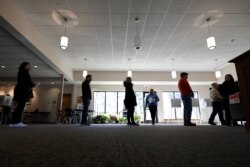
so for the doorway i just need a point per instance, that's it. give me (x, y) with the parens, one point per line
(66, 101)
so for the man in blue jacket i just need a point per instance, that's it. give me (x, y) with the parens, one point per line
(151, 103)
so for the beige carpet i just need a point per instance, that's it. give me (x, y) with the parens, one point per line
(119, 145)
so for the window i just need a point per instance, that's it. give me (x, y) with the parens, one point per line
(112, 102)
(99, 102)
(121, 96)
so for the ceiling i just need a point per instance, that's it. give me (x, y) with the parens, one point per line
(173, 33)
(13, 53)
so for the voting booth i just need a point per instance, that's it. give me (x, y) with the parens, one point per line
(5, 103)
(5, 100)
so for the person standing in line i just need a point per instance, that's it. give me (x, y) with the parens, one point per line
(186, 95)
(130, 100)
(151, 103)
(22, 94)
(228, 87)
(217, 105)
(86, 97)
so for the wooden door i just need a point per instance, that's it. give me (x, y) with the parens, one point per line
(66, 101)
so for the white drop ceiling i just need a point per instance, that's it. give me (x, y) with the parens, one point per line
(169, 29)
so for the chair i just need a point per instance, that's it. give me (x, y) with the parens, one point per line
(68, 116)
(31, 116)
(77, 116)
(176, 105)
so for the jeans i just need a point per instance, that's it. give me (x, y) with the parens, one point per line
(85, 111)
(187, 102)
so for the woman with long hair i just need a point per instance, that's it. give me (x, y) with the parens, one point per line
(22, 93)
(130, 100)
(228, 87)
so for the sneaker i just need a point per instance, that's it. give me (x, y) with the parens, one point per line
(19, 125)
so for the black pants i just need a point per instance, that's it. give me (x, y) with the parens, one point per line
(85, 111)
(227, 111)
(130, 115)
(153, 110)
(217, 109)
(17, 114)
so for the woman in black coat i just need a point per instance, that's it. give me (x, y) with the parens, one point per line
(22, 93)
(228, 87)
(130, 100)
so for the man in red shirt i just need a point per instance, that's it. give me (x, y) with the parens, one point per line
(186, 94)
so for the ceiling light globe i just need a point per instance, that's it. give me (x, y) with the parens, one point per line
(64, 42)
(211, 43)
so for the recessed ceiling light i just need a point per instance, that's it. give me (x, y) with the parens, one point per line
(3, 67)
(35, 66)
(52, 83)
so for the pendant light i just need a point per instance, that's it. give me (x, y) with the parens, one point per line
(64, 39)
(217, 72)
(85, 72)
(137, 45)
(173, 73)
(129, 73)
(210, 40)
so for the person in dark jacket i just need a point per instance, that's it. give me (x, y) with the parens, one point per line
(22, 93)
(86, 97)
(130, 100)
(151, 103)
(228, 87)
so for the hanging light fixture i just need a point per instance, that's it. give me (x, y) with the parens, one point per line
(217, 72)
(129, 74)
(64, 39)
(85, 72)
(210, 40)
(137, 37)
(173, 73)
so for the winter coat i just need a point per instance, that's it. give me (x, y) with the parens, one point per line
(130, 98)
(151, 100)
(228, 88)
(23, 89)
(86, 90)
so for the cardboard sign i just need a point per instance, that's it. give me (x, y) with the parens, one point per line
(234, 98)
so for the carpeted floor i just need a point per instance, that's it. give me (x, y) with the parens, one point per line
(120, 145)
